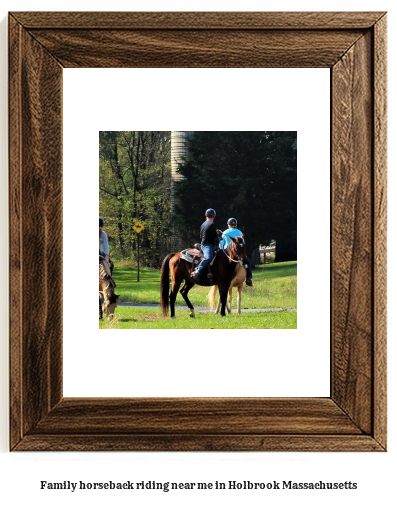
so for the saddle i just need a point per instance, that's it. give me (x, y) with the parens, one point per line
(195, 255)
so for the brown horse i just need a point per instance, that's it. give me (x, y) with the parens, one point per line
(222, 269)
(238, 282)
(107, 297)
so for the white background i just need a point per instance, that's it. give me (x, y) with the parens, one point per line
(374, 472)
(214, 362)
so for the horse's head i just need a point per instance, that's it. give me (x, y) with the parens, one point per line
(237, 247)
(109, 305)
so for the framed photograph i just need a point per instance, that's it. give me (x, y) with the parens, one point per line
(353, 46)
(157, 191)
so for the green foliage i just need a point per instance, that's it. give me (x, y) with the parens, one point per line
(134, 185)
(250, 176)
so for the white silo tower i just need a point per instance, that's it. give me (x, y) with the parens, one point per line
(179, 151)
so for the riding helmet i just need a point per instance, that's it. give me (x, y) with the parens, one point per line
(232, 222)
(101, 222)
(210, 213)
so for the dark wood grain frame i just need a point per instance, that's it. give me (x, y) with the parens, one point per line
(353, 46)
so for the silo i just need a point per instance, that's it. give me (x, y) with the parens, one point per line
(179, 151)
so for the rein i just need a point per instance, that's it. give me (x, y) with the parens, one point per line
(233, 260)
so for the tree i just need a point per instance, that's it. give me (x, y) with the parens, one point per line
(250, 176)
(134, 185)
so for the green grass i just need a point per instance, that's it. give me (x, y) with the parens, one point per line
(274, 287)
(144, 318)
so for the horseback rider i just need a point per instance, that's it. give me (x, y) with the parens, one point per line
(209, 239)
(232, 232)
(104, 246)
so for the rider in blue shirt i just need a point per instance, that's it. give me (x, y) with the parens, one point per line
(232, 232)
(103, 240)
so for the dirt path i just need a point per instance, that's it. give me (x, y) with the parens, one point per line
(207, 309)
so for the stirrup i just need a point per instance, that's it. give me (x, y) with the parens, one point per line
(195, 275)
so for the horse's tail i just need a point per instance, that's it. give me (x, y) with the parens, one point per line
(212, 295)
(165, 284)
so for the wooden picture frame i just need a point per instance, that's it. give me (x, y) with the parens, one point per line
(353, 46)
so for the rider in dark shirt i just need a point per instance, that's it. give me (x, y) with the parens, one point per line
(208, 233)
(209, 239)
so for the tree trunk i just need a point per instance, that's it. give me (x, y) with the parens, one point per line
(121, 235)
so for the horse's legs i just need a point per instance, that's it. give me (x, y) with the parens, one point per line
(239, 290)
(174, 292)
(176, 282)
(180, 272)
(185, 289)
(172, 302)
(223, 290)
(229, 306)
(219, 301)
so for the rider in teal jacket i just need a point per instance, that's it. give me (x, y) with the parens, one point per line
(232, 232)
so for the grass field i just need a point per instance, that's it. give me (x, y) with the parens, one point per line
(145, 318)
(275, 286)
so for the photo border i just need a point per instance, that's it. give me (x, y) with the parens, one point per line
(353, 46)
